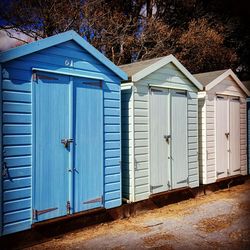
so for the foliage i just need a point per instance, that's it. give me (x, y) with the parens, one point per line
(201, 48)
(204, 35)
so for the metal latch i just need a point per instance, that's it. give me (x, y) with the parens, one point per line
(66, 142)
(167, 138)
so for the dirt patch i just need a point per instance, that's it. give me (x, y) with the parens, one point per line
(242, 235)
(186, 207)
(155, 239)
(214, 224)
(245, 206)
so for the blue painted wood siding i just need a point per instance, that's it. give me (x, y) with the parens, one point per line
(17, 128)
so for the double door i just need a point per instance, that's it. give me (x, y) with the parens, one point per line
(68, 145)
(168, 139)
(227, 136)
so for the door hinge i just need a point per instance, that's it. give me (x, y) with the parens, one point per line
(99, 199)
(236, 170)
(219, 173)
(182, 181)
(154, 187)
(36, 213)
(34, 77)
(68, 207)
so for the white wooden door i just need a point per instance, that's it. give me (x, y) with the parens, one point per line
(159, 129)
(222, 136)
(179, 161)
(234, 137)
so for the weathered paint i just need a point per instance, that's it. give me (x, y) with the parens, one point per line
(34, 104)
(212, 124)
(138, 131)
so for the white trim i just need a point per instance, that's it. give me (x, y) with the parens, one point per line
(228, 93)
(165, 60)
(167, 87)
(126, 86)
(223, 76)
(202, 94)
(68, 73)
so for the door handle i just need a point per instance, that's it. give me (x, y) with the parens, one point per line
(66, 142)
(227, 134)
(167, 138)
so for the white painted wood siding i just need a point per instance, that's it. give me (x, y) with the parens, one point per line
(207, 145)
(210, 139)
(243, 136)
(202, 139)
(193, 167)
(141, 142)
(127, 143)
(170, 77)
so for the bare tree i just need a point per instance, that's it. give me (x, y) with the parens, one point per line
(201, 47)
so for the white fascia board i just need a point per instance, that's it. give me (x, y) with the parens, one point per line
(168, 59)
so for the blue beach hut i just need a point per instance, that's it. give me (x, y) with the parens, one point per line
(60, 131)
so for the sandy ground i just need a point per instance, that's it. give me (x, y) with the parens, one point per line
(219, 220)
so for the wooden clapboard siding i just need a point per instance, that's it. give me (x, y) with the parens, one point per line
(243, 137)
(168, 76)
(193, 167)
(248, 134)
(17, 127)
(141, 141)
(231, 87)
(202, 139)
(210, 139)
(127, 143)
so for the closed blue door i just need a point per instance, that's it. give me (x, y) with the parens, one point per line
(51, 176)
(88, 144)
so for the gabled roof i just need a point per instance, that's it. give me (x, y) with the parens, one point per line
(137, 71)
(58, 39)
(211, 79)
(206, 78)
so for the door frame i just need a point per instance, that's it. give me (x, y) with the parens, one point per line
(33, 124)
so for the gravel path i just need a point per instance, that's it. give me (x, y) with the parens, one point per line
(220, 220)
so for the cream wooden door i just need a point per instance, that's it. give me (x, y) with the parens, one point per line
(159, 123)
(234, 137)
(222, 136)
